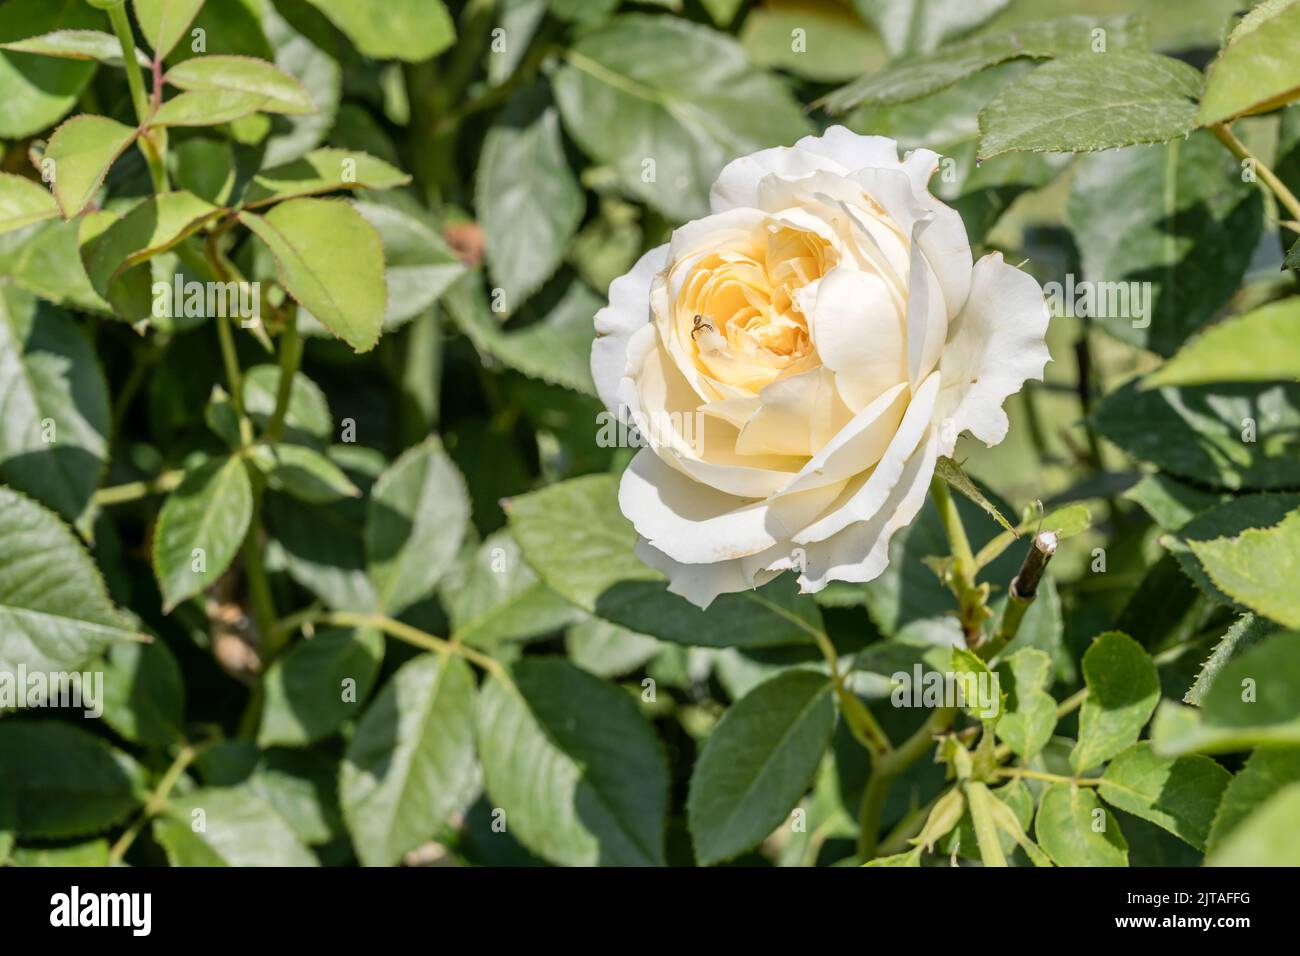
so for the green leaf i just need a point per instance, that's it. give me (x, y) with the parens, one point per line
(1074, 829)
(1169, 502)
(1123, 689)
(1260, 346)
(1252, 702)
(317, 685)
(37, 91)
(82, 150)
(322, 171)
(527, 198)
(76, 45)
(1176, 217)
(576, 539)
(554, 349)
(307, 420)
(1092, 102)
(200, 528)
(227, 826)
(1030, 716)
(1268, 837)
(304, 473)
(155, 225)
(65, 782)
(632, 91)
(918, 26)
(44, 259)
(278, 91)
(1180, 795)
(1256, 71)
(55, 613)
(411, 761)
(329, 259)
(303, 50)
(492, 596)
(418, 513)
(1244, 634)
(53, 402)
(322, 549)
(207, 108)
(410, 30)
(1214, 529)
(144, 694)
(929, 73)
(23, 202)
(1226, 436)
(578, 771)
(1267, 771)
(757, 763)
(836, 44)
(608, 650)
(92, 853)
(420, 264)
(951, 472)
(1258, 568)
(164, 22)
(1293, 257)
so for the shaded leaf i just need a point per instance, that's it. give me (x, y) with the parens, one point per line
(1123, 689)
(757, 763)
(1180, 795)
(576, 769)
(411, 761)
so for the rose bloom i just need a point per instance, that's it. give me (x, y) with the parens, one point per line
(797, 360)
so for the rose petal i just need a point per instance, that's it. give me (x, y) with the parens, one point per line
(862, 499)
(995, 345)
(695, 524)
(628, 310)
(860, 552)
(859, 335)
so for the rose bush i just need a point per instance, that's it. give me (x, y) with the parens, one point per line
(323, 539)
(825, 337)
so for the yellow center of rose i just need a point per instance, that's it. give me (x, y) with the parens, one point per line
(738, 313)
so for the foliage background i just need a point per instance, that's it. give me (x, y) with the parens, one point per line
(525, 198)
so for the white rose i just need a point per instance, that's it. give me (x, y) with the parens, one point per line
(845, 339)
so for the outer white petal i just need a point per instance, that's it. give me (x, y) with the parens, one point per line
(737, 185)
(853, 151)
(860, 552)
(702, 583)
(994, 346)
(695, 524)
(628, 310)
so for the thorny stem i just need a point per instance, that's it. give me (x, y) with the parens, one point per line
(140, 100)
(1021, 594)
(898, 838)
(134, 490)
(886, 768)
(414, 636)
(290, 357)
(1285, 197)
(157, 801)
(971, 599)
(1018, 772)
(862, 723)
